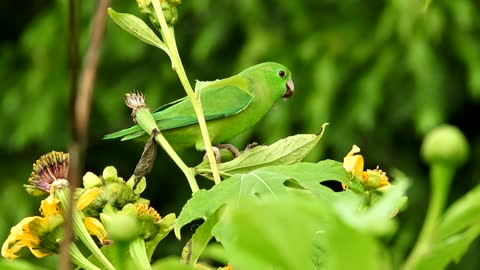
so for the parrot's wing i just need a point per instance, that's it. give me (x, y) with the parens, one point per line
(219, 99)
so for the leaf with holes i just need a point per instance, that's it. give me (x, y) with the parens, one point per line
(264, 182)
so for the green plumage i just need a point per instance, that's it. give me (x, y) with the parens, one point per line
(230, 106)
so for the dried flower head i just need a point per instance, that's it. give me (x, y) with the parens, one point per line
(135, 100)
(47, 169)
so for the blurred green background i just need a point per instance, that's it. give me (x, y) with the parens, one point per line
(382, 73)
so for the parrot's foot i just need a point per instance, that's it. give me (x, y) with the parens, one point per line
(230, 148)
(250, 146)
(216, 151)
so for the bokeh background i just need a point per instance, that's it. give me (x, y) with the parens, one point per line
(382, 73)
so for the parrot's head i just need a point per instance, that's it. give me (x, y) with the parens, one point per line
(277, 76)
(283, 76)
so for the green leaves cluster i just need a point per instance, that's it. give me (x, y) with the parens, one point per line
(265, 222)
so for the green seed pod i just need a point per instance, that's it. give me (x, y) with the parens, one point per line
(445, 144)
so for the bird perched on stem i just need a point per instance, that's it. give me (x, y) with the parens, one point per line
(230, 106)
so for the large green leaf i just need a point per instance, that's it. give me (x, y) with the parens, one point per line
(261, 183)
(293, 232)
(286, 151)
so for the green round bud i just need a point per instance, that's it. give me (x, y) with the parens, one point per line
(445, 144)
(110, 174)
(121, 227)
(91, 180)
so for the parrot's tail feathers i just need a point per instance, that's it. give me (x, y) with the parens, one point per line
(128, 132)
(133, 135)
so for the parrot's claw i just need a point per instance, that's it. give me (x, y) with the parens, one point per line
(216, 151)
(230, 148)
(250, 146)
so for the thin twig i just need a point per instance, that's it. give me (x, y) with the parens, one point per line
(81, 91)
(65, 262)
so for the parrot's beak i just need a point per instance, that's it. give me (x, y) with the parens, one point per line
(289, 89)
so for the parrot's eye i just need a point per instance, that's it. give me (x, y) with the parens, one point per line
(281, 73)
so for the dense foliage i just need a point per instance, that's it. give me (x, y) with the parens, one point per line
(381, 73)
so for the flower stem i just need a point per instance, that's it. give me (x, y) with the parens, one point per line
(174, 156)
(440, 178)
(169, 39)
(80, 260)
(138, 252)
(80, 230)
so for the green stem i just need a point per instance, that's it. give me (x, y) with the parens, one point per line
(80, 230)
(440, 179)
(189, 173)
(80, 260)
(178, 67)
(138, 252)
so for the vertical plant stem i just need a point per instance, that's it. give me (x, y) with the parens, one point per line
(81, 91)
(440, 179)
(138, 252)
(168, 35)
(79, 228)
(80, 260)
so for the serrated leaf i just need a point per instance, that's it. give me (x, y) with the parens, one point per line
(263, 182)
(138, 28)
(462, 213)
(286, 151)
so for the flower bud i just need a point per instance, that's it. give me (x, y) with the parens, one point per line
(121, 227)
(91, 180)
(110, 174)
(445, 144)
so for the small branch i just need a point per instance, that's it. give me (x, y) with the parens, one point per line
(81, 91)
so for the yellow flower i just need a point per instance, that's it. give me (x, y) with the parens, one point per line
(370, 178)
(39, 233)
(36, 233)
(353, 163)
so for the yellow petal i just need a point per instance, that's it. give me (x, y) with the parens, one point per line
(87, 198)
(49, 206)
(40, 253)
(353, 163)
(21, 236)
(95, 227)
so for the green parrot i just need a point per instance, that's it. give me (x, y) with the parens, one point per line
(230, 106)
